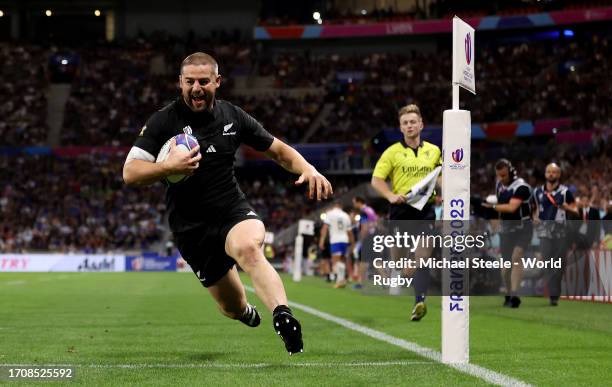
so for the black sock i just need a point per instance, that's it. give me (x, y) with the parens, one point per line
(421, 282)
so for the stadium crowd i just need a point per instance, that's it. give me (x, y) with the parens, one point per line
(120, 85)
(288, 118)
(80, 203)
(23, 93)
(73, 204)
(111, 95)
(517, 81)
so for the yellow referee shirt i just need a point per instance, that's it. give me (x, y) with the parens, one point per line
(405, 167)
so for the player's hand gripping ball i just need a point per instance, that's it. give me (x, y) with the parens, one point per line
(184, 143)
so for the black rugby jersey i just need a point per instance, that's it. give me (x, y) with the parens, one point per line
(213, 188)
(517, 189)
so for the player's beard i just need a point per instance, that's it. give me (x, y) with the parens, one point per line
(202, 103)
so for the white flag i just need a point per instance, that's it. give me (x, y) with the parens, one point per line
(421, 191)
(463, 55)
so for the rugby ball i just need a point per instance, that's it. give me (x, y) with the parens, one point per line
(491, 199)
(184, 143)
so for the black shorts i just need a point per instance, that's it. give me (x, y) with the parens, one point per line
(520, 237)
(405, 218)
(203, 247)
(407, 212)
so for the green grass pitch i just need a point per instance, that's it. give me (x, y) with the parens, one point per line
(164, 329)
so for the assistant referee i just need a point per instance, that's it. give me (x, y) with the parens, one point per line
(406, 163)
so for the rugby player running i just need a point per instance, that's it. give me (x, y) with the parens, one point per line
(213, 225)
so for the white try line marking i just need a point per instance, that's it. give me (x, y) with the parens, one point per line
(16, 282)
(470, 369)
(43, 279)
(231, 365)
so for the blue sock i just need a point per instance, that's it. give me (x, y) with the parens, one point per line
(420, 298)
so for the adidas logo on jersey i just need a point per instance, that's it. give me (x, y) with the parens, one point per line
(251, 213)
(211, 149)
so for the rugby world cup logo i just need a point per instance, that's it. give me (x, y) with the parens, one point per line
(458, 155)
(468, 48)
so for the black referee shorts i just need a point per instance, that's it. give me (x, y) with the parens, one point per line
(520, 237)
(405, 218)
(203, 247)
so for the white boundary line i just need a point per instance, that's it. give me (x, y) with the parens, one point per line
(15, 282)
(470, 369)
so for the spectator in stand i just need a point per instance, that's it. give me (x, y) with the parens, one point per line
(24, 104)
(74, 204)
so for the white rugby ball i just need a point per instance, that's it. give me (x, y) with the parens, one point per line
(184, 143)
(491, 199)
